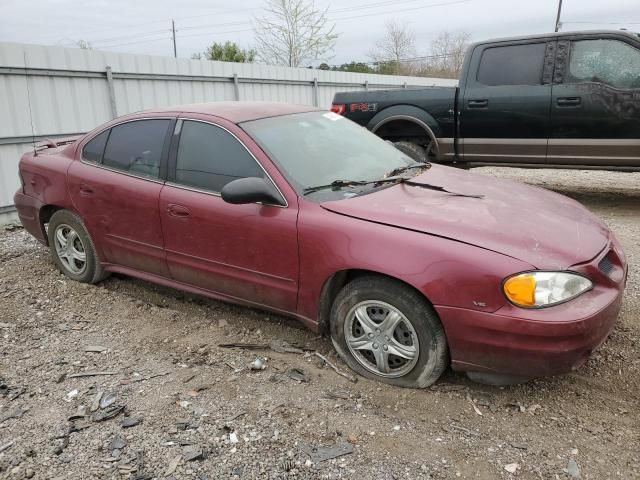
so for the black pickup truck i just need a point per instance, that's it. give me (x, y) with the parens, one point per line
(567, 100)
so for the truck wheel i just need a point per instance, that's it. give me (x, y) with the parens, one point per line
(386, 331)
(72, 249)
(413, 150)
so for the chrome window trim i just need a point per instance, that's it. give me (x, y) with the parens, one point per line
(217, 194)
(116, 170)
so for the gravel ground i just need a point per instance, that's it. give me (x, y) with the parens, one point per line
(198, 411)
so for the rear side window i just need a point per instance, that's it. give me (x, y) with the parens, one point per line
(209, 157)
(94, 149)
(512, 65)
(136, 147)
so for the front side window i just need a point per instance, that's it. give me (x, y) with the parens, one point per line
(209, 157)
(94, 149)
(317, 148)
(136, 147)
(611, 62)
(512, 65)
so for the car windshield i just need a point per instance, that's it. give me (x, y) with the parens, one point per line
(322, 148)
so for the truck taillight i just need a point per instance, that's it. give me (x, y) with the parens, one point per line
(339, 108)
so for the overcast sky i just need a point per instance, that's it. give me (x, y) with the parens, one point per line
(143, 26)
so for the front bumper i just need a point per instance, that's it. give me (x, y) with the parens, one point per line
(28, 209)
(530, 343)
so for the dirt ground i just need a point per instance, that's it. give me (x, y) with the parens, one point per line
(203, 414)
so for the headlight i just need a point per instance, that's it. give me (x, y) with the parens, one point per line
(543, 289)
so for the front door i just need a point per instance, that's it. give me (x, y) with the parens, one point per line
(246, 252)
(505, 104)
(115, 187)
(596, 104)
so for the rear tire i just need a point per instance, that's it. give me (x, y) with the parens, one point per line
(386, 331)
(413, 150)
(72, 249)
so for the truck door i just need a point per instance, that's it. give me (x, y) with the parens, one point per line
(596, 103)
(505, 110)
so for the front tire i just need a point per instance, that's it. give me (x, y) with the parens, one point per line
(386, 331)
(72, 249)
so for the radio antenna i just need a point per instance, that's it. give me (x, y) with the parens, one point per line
(26, 79)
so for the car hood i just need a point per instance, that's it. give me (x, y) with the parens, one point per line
(537, 226)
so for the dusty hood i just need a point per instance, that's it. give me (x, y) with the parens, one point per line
(531, 224)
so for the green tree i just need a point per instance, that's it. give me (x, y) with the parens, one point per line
(356, 67)
(226, 52)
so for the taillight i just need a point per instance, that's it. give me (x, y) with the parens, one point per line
(339, 108)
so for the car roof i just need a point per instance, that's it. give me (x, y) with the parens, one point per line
(238, 112)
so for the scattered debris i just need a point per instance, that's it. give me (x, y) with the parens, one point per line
(11, 391)
(90, 374)
(349, 377)
(519, 446)
(320, 454)
(234, 416)
(6, 446)
(233, 437)
(465, 430)
(246, 346)
(337, 395)
(95, 404)
(71, 395)
(128, 422)
(282, 346)
(573, 470)
(173, 464)
(192, 453)
(17, 413)
(260, 363)
(108, 413)
(298, 374)
(511, 467)
(117, 443)
(6, 325)
(95, 349)
(108, 400)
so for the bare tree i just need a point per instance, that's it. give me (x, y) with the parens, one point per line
(292, 32)
(396, 50)
(447, 55)
(83, 44)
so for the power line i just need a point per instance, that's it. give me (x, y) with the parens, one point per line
(248, 23)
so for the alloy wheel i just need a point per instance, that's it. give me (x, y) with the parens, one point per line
(381, 339)
(70, 249)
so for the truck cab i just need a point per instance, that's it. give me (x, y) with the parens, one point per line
(560, 99)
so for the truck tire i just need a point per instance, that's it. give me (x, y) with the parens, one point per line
(386, 331)
(413, 150)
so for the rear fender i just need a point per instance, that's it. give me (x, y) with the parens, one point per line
(411, 114)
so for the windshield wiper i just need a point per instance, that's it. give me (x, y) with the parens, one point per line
(338, 184)
(399, 170)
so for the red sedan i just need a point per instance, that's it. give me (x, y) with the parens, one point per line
(410, 267)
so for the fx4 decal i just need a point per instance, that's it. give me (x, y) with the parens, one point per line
(363, 107)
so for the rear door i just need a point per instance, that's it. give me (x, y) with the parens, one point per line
(246, 252)
(596, 103)
(115, 187)
(505, 109)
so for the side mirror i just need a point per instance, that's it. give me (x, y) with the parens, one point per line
(250, 190)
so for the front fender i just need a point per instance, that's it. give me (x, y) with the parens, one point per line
(446, 271)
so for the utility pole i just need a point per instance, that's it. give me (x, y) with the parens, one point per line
(173, 34)
(558, 24)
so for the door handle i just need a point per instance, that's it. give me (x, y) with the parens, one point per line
(569, 101)
(85, 190)
(177, 211)
(478, 103)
